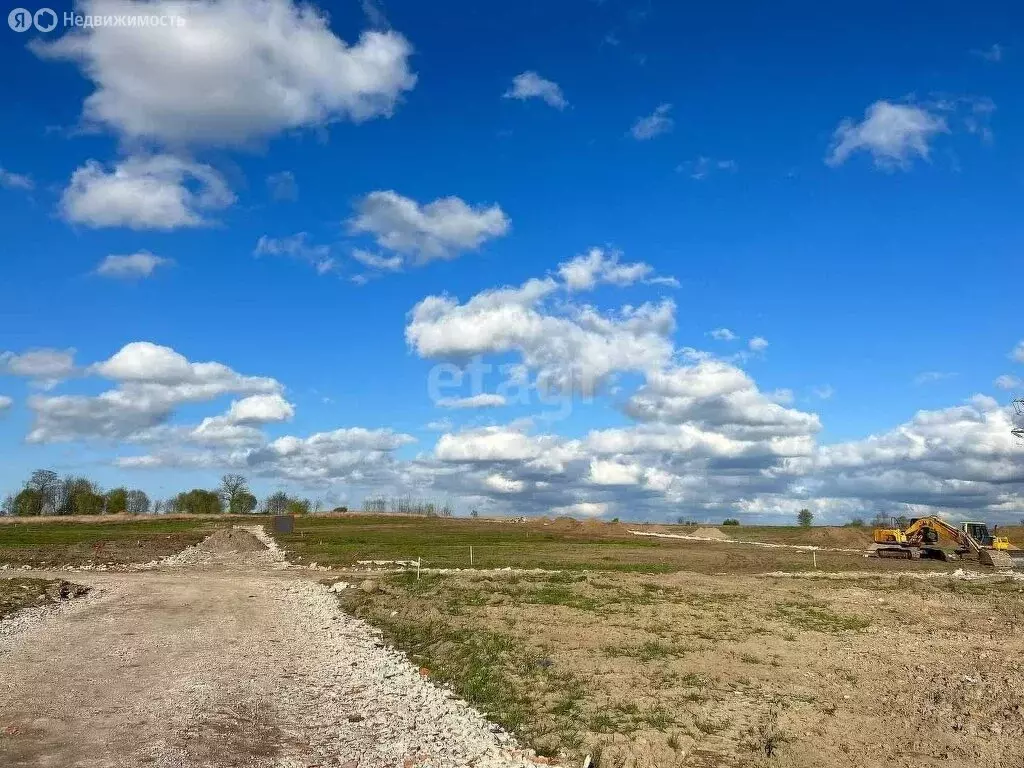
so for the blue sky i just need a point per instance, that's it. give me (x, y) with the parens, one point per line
(845, 187)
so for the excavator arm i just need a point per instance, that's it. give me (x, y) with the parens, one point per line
(972, 539)
(916, 531)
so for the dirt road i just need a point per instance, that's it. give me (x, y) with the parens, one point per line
(221, 665)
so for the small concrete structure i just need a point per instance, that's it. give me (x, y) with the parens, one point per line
(284, 523)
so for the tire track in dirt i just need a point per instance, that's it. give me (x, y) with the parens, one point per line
(723, 539)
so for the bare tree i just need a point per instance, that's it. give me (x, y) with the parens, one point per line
(137, 503)
(233, 490)
(51, 490)
(276, 503)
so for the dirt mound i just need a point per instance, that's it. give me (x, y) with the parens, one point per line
(710, 533)
(839, 537)
(230, 540)
(606, 528)
(239, 546)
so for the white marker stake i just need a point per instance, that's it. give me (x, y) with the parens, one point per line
(471, 556)
(814, 557)
(418, 559)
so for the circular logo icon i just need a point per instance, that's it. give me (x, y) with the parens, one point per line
(20, 20)
(45, 20)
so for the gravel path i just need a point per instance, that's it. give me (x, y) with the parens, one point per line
(223, 662)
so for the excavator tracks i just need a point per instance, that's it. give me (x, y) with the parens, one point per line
(894, 552)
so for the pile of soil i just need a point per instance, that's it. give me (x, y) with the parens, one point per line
(17, 593)
(839, 537)
(595, 527)
(230, 540)
(710, 533)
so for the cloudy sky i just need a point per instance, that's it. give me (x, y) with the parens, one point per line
(611, 258)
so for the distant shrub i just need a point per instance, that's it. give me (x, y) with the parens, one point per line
(198, 502)
(730, 521)
(857, 522)
(298, 506)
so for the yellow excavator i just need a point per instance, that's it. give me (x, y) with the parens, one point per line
(931, 538)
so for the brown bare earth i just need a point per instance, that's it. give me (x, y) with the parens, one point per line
(693, 670)
(710, 533)
(18, 593)
(580, 637)
(109, 540)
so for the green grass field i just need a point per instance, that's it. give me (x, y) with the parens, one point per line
(53, 541)
(343, 540)
(563, 545)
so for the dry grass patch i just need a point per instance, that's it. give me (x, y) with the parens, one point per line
(687, 669)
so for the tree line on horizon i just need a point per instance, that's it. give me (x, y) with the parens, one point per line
(47, 493)
(407, 505)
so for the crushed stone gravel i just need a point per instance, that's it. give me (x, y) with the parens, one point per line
(218, 658)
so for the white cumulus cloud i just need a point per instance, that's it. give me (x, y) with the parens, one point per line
(298, 247)
(570, 348)
(530, 85)
(757, 344)
(1018, 352)
(158, 192)
(354, 456)
(893, 134)
(132, 266)
(719, 398)
(235, 71)
(501, 484)
(11, 180)
(153, 381)
(260, 409)
(583, 509)
(606, 472)
(1007, 381)
(377, 262)
(654, 124)
(441, 229)
(600, 266)
(702, 167)
(46, 366)
(483, 400)
(957, 459)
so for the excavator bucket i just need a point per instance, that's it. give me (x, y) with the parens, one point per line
(1002, 559)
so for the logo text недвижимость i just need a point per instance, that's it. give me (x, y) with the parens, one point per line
(47, 20)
